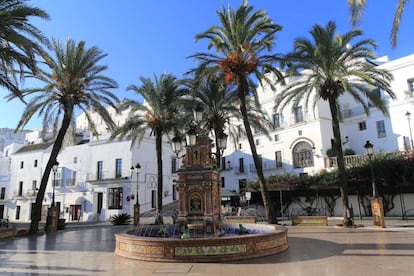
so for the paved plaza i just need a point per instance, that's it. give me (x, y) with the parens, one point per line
(317, 250)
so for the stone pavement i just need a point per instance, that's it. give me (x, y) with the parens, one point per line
(87, 249)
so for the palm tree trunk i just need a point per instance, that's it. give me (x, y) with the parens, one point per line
(267, 203)
(337, 146)
(158, 148)
(37, 206)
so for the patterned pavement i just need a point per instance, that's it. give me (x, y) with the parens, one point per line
(87, 249)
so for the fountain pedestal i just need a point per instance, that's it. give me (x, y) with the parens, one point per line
(198, 188)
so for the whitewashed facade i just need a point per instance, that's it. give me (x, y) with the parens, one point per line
(301, 137)
(93, 180)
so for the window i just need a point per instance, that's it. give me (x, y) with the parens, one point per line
(173, 165)
(17, 212)
(240, 131)
(20, 192)
(223, 163)
(73, 182)
(21, 165)
(99, 172)
(118, 168)
(276, 120)
(115, 198)
(34, 185)
(257, 142)
(381, 129)
(362, 125)
(241, 165)
(75, 160)
(410, 83)
(299, 132)
(153, 199)
(298, 114)
(35, 163)
(277, 137)
(257, 130)
(242, 185)
(222, 182)
(377, 92)
(302, 155)
(174, 196)
(3, 193)
(278, 159)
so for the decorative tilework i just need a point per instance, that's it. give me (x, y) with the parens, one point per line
(271, 243)
(211, 250)
(141, 249)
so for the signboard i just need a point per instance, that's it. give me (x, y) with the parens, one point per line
(248, 195)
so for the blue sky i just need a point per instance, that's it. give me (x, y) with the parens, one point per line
(143, 38)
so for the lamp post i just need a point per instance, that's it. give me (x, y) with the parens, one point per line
(369, 148)
(408, 116)
(52, 213)
(376, 202)
(54, 169)
(137, 171)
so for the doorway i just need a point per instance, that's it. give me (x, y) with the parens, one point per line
(75, 212)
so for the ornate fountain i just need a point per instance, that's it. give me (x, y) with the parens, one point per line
(199, 234)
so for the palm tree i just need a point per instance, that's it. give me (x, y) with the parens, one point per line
(159, 113)
(357, 7)
(333, 65)
(20, 42)
(240, 42)
(220, 106)
(75, 80)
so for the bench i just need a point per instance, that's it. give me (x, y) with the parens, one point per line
(7, 233)
(310, 220)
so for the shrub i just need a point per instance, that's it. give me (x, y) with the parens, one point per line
(121, 219)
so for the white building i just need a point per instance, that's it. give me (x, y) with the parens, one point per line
(301, 137)
(93, 180)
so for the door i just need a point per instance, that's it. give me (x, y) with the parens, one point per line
(75, 211)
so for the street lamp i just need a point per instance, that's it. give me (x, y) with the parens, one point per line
(370, 150)
(376, 202)
(136, 170)
(408, 116)
(54, 169)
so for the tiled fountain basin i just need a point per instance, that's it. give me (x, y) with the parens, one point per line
(271, 240)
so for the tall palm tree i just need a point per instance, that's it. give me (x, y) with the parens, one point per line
(74, 80)
(240, 42)
(332, 65)
(159, 113)
(20, 42)
(357, 7)
(220, 106)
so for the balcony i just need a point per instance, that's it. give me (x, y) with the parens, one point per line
(362, 159)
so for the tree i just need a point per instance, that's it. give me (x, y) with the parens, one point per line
(356, 7)
(220, 106)
(240, 42)
(75, 80)
(219, 103)
(20, 42)
(159, 113)
(332, 65)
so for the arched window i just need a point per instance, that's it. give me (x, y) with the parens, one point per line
(302, 155)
